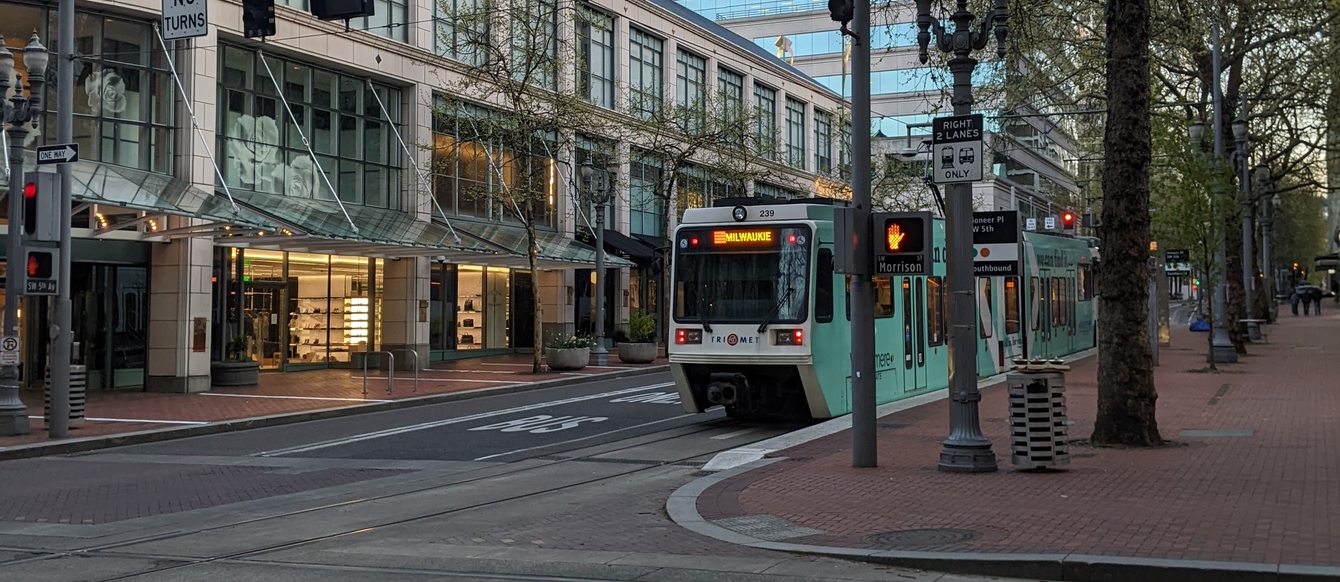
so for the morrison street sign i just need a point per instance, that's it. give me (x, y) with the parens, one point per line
(956, 149)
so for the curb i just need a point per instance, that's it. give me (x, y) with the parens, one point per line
(82, 444)
(682, 506)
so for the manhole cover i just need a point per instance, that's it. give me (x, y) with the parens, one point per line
(916, 538)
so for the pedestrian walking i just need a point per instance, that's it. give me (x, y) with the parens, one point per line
(1316, 299)
(1293, 301)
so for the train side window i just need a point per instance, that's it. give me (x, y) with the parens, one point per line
(935, 303)
(823, 287)
(984, 326)
(1056, 301)
(1074, 302)
(1086, 282)
(1011, 305)
(1035, 302)
(883, 297)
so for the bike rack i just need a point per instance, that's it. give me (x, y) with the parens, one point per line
(414, 363)
(390, 372)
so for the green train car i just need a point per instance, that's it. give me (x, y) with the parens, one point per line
(760, 322)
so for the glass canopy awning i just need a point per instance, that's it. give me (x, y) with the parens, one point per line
(555, 249)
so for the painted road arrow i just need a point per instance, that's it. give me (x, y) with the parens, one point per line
(58, 154)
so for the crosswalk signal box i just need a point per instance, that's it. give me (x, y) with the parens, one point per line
(41, 268)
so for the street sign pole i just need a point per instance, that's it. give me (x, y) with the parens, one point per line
(58, 425)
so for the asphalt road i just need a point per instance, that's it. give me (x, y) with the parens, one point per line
(559, 484)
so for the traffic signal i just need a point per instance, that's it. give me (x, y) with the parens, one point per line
(905, 234)
(42, 266)
(841, 10)
(258, 18)
(1068, 220)
(41, 207)
(901, 243)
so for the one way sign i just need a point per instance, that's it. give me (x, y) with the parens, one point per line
(58, 154)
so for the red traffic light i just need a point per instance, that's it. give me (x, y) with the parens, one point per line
(1068, 219)
(30, 190)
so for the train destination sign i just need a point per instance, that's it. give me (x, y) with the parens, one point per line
(956, 149)
(724, 238)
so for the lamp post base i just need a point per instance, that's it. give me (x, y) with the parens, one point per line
(1224, 354)
(967, 459)
(599, 356)
(14, 422)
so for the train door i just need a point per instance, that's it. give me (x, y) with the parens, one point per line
(1045, 318)
(888, 339)
(988, 358)
(1012, 332)
(911, 350)
(1034, 316)
(1072, 298)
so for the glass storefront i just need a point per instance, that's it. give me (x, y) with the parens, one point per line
(301, 310)
(472, 307)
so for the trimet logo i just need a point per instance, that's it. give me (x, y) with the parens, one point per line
(734, 339)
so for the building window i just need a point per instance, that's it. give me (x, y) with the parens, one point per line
(699, 187)
(765, 190)
(692, 89)
(264, 152)
(765, 124)
(389, 19)
(595, 59)
(823, 142)
(646, 209)
(795, 133)
(535, 24)
(124, 95)
(730, 86)
(645, 73)
(476, 176)
(461, 30)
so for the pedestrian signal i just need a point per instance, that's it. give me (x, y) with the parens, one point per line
(904, 235)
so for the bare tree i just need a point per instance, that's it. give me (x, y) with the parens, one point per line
(513, 113)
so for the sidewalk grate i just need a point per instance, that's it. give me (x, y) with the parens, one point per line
(1217, 433)
(922, 538)
(766, 527)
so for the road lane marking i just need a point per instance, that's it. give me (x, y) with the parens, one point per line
(450, 421)
(277, 396)
(731, 435)
(585, 438)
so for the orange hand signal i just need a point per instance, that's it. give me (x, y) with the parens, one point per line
(895, 236)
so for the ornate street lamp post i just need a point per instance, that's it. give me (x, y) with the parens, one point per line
(1262, 172)
(966, 449)
(20, 114)
(1243, 155)
(599, 187)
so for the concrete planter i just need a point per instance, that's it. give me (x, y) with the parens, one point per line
(567, 358)
(234, 373)
(637, 353)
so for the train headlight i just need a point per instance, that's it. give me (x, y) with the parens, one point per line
(789, 337)
(688, 336)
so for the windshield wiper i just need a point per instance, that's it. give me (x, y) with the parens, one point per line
(762, 327)
(702, 309)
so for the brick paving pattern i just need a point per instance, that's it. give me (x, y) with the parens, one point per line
(1271, 497)
(91, 492)
(300, 391)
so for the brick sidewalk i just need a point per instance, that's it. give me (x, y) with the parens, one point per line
(1272, 496)
(279, 393)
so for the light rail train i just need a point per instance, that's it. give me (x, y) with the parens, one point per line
(760, 321)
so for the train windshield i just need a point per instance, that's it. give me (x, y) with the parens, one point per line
(741, 274)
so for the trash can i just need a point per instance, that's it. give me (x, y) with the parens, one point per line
(78, 390)
(1038, 422)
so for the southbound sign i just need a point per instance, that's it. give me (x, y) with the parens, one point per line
(995, 243)
(956, 149)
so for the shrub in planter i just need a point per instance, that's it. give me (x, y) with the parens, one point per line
(641, 348)
(570, 353)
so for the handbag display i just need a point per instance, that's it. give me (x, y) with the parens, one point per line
(467, 339)
(468, 323)
(469, 305)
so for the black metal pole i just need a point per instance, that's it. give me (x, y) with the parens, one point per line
(864, 447)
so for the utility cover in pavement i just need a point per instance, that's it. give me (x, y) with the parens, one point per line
(766, 527)
(1217, 432)
(921, 538)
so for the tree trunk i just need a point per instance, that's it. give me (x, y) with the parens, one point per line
(667, 258)
(1233, 271)
(1126, 393)
(537, 336)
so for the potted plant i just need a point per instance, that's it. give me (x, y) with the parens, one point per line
(235, 369)
(641, 347)
(570, 353)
